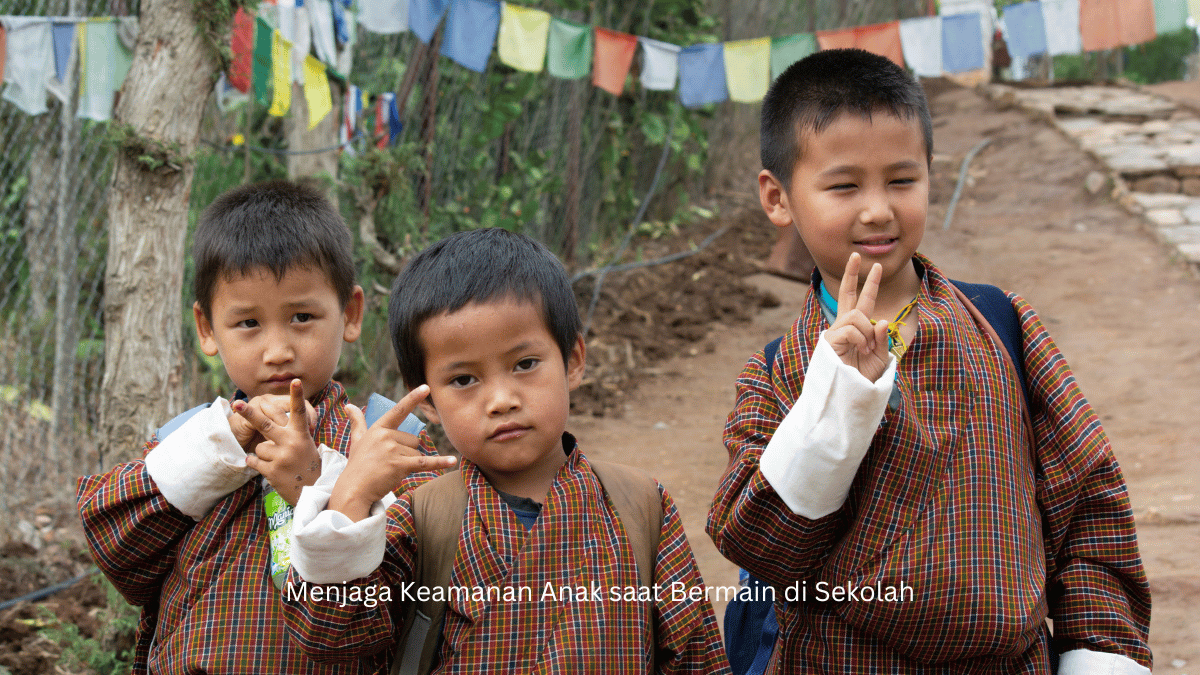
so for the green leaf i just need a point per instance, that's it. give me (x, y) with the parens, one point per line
(654, 129)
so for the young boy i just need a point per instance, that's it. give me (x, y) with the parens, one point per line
(488, 328)
(889, 492)
(182, 532)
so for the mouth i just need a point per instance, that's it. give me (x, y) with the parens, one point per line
(877, 245)
(508, 432)
(284, 379)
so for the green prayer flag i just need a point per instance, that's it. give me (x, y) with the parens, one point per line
(569, 49)
(261, 73)
(787, 50)
(1170, 16)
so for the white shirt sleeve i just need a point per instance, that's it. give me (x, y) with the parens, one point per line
(814, 454)
(1087, 662)
(200, 462)
(327, 547)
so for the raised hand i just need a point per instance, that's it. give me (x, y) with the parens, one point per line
(275, 407)
(380, 458)
(287, 455)
(857, 343)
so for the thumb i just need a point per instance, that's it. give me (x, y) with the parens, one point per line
(358, 423)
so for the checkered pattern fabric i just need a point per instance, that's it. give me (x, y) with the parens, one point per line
(945, 504)
(577, 542)
(208, 604)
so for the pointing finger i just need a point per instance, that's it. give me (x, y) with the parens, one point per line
(257, 419)
(392, 419)
(298, 416)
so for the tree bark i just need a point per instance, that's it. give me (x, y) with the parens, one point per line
(162, 101)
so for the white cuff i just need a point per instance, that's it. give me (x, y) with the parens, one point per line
(200, 462)
(814, 454)
(327, 547)
(1087, 662)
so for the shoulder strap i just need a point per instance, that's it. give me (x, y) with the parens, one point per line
(769, 353)
(638, 504)
(439, 507)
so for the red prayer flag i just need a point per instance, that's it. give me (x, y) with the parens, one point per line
(881, 38)
(613, 59)
(1107, 24)
(242, 44)
(381, 126)
(3, 49)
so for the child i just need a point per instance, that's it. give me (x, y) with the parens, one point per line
(491, 334)
(183, 533)
(888, 492)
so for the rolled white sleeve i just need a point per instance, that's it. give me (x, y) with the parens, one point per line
(815, 452)
(327, 547)
(1087, 662)
(200, 462)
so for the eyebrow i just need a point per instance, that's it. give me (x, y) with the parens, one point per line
(457, 365)
(850, 168)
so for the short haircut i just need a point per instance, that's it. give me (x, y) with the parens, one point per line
(276, 226)
(478, 266)
(815, 90)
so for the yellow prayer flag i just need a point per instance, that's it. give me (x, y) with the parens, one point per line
(281, 75)
(748, 69)
(1194, 9)
(521, 42)
(316, 91)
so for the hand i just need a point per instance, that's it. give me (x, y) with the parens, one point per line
(287, 456)
(859, 344)
(380, 458)
(274, 407)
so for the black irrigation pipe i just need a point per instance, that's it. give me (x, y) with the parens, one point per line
(47, 591)
(962, 178)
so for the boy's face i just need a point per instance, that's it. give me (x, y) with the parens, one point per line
(499, 388)
(860, 185)
(268, 332)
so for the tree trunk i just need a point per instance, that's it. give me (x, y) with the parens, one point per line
(319, 169)
(161, 103)
(39, 227)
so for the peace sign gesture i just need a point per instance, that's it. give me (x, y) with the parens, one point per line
(857, 342)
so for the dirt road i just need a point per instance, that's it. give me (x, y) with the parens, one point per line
(1125, 314)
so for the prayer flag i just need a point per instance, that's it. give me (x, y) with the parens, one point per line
(395, 126)
(1194, 10)
(1063, 18)
(262, 69)
(343, 22)
(660, 64)
(383, 16)
(296, 30)
(1025, 29)
(320, 14)
(523, 35)
(880, 38)
(105, 64)
(962, 43)
(29, 62)
(613, 58)
(1170, 15)
(424, 17)
(568, 49)
(241, 43)
(316, 90)
(921, 39)
(345, 57)
(281, 74)
(702, 75)
(352, 105)
(64, 42)
(470, 32)
(748, 69)
(382, 137)
(1107, 24)
(789, 49)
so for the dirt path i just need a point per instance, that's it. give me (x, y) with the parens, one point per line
(1126, 315)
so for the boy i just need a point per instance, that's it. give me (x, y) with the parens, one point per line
(183, 533)
(888, 492)
(491, 334)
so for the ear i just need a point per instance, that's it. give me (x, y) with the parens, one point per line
(353, 315)
(575, 363)
(208, 343)
(431, 414)
(774, 199)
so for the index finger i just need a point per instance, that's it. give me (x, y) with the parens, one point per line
(392, 419)
(298, 417)
(848, 291)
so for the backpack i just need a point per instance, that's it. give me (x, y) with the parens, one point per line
(439, 507)
(751, 626)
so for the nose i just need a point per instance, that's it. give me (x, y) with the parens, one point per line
(278, 349)
(503, 398)
(876, 208)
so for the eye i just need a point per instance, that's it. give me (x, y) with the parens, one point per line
(842, 187)
(302, 317)
(527, 364)
(904, 181)
(248, 323)
(462, 381)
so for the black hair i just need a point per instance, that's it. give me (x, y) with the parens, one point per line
(478, 266)
(815, 90)
(277, 225)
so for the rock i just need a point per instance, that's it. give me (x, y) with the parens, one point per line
(1157, 183)
(1165, 217)
(1192, 213)
(1179, 236)
(1190, 186)
(1149, 202)
(1095, 182)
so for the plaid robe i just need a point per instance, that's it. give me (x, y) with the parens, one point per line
(945, 502)
(576, 541)
(208, 604)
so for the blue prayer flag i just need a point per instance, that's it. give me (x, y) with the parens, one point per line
(962, 43)
(1026, 29)
(702, 75)
(64, 38)
(395, 126)
(340, 30)
(470, 32)
(424, 17)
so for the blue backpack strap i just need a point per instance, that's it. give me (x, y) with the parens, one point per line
(995, 306)
(770, 351)
(378, 404)
(166, 429)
